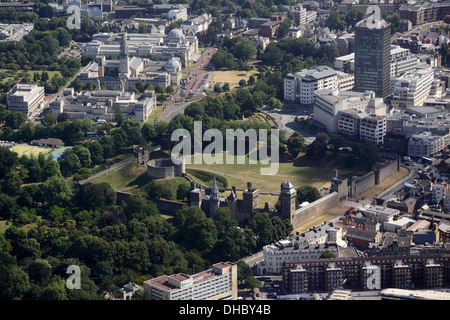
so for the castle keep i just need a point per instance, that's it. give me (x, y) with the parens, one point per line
(209, 201)
(241, 209)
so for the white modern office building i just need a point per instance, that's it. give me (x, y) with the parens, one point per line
(299, 15)
(309, 245)
(345, 63)
(342, 111)
(412, 88)
(26, 98)
(362, 125)
(301, 86)
(345, 81)
(402, 61)
(180, 13)
(219, 282)
(373, 128)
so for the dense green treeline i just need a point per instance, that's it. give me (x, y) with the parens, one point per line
(113, 242)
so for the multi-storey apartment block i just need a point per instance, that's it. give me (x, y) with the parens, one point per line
(366, 273)
(219, 282)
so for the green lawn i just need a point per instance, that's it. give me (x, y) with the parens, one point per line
(130, 175)
(239, 174)
(6, 74)
(155, 113)
(207, 178)
(261, 117)
(300, 172)
(26, 149)
(134, 177)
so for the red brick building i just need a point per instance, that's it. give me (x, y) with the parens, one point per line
(269, 29)
(366, 273)
(425, 12)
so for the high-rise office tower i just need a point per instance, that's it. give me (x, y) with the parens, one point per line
(372, 56)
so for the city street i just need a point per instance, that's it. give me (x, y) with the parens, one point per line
(423, 28)
(199, 75)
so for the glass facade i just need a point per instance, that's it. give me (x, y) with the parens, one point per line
(372, 58)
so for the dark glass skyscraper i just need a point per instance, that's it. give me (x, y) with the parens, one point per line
(372, 56)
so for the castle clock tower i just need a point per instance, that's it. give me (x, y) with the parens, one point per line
(287, 197)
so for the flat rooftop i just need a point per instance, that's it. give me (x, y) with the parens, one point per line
(376, 25)
(379, 209)
(315, 73)
(163, 282)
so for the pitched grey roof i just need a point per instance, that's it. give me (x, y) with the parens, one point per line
(361, 234)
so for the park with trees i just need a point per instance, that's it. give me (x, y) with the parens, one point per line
(48, 221)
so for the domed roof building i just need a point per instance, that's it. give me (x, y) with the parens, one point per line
(176, 34)
(173, 67)
(173, 63)
(174, 43)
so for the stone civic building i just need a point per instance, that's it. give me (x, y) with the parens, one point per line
(124, 73)
(175, 43)
(99, 104)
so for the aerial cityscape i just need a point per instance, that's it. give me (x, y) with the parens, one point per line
(249, 150)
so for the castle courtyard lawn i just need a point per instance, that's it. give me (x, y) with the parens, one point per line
(123, 177)
(239, 174)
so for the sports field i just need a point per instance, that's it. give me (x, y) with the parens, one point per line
(25, 149)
